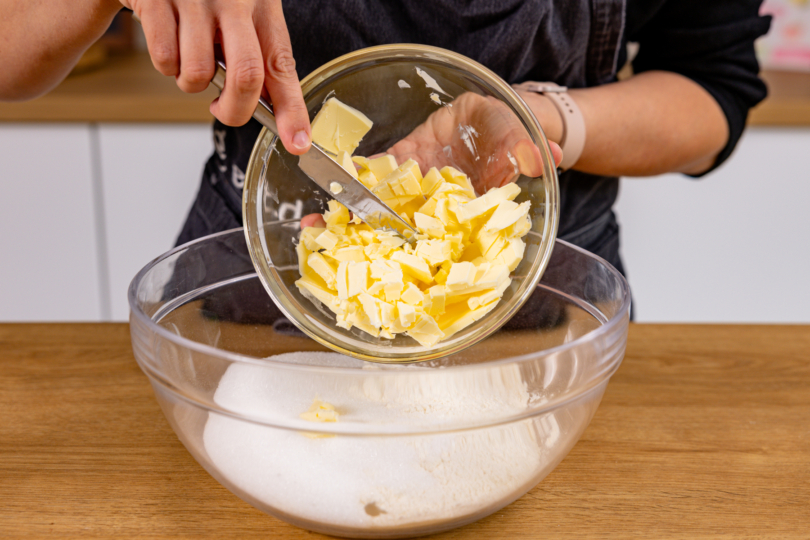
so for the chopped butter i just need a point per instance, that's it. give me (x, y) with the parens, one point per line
(338, 127)
(455, 273)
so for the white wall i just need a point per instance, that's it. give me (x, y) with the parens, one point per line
(151, 175)
(84, 207)
(49, 268)
(731, 247)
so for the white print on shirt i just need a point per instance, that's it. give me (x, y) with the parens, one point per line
(291, 211)
(237, 177)
(219, 143)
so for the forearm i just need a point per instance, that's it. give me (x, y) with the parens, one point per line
(652, 123)
(41, 41)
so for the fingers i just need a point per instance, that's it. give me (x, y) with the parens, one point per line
(160, 28)
(281, 80)
(312, 220)
(196, 35)
(245, 74)
(530, 162)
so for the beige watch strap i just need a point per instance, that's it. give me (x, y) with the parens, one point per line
(573, 136)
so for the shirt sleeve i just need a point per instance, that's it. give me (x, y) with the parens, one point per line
(712, 43)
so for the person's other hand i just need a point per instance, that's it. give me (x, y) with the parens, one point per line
(181, 34)
(478, 135)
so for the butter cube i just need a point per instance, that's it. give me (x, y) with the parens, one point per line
(461, 276)
(507, 213)
(321, 266)
(376, 251)
(414, 266)
(429, 225)
(437, 300)
(327, 240)
(362, 162)
(454, 176)
(442, 273)
(490, 244)
(338, 127)
(461, 317)
(368, 179)
(488, 201)
(474, 302)
(320, 412)
(308, 236)
(342, 280)
(412, 295)
(312, 289)
(349, 253)
(357, 278)
(387, 314)
(390, 239)
(426, 331)
(345, 160)
(494, 276)
(412, 166)
(429, 207)
(431, 181)
(407, 314)
(382, 166)
(371, 307)
(337, 217)
(393, 291)
(512, 254)
(377, 289)
(434, 252)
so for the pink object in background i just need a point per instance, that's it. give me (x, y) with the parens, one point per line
(787, 45)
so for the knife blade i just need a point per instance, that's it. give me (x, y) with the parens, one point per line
(331, 177)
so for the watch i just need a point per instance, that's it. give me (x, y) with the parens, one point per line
(573, 135)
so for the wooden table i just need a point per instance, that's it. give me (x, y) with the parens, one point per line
(704, 432)
(128, 89)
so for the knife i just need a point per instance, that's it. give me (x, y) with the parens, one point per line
(332, 178)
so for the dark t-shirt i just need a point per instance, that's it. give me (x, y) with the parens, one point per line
(711, 42)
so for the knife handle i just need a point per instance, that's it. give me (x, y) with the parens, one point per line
(264, 110)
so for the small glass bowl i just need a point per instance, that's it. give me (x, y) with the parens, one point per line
(397, 87)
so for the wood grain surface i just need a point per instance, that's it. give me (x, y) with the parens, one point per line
(704, 432)
(128, 89)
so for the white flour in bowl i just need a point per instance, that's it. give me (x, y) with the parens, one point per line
(365, 482)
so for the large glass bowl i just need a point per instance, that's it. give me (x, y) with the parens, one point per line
(417, 448)
(393, 85)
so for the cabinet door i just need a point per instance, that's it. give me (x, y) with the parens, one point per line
(733, 246)
(151, 174)
(49, 269)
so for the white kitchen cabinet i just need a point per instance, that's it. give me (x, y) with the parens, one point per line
(151, 175)
(49, 268)
(731, 247)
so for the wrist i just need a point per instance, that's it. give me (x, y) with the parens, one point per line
(546, 113)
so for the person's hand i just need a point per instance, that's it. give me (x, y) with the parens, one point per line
(181, 34)
(478, 135)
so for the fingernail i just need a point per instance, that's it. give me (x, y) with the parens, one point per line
(301, 139)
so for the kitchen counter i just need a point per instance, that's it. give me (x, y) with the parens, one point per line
(704, 432)
(128, 89)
